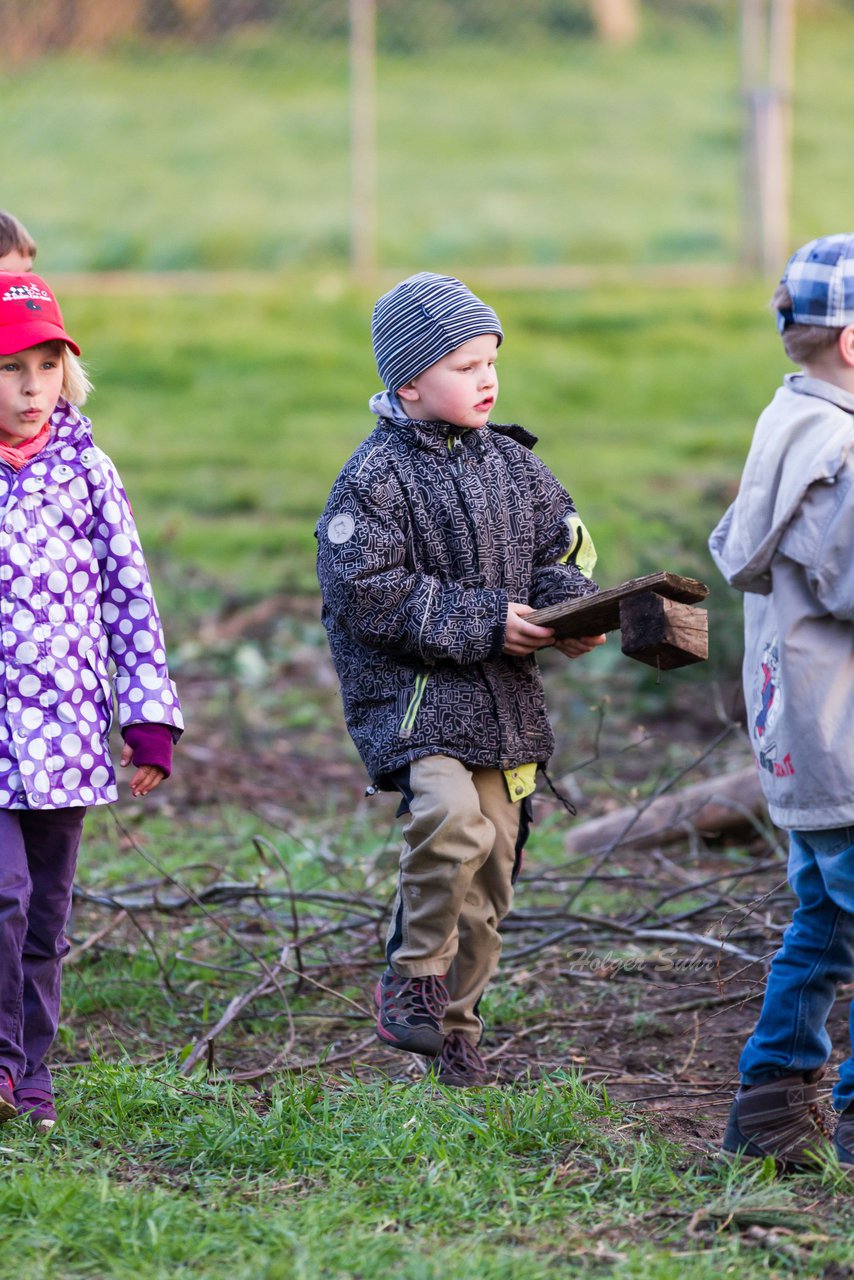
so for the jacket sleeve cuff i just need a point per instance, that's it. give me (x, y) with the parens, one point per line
(150, 744)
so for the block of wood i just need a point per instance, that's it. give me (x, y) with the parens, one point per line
(663, 633)
(654, 633)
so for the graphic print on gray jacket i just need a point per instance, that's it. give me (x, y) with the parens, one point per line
(427, 534)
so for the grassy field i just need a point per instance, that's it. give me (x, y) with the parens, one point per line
(236, 155)
(339, 1172)
(158, 1177)
(467, 172)
(229, 415)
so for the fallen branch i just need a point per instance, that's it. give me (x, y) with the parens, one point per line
(698, 939)
(710, 808)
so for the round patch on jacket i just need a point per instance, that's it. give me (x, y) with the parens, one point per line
(341, 528)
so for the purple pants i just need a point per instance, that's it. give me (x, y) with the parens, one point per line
(38, 857)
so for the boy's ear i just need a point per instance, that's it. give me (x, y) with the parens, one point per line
(846, 345)
(408, 391)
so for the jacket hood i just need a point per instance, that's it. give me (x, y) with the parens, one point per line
(434, 435)
(386, 404)
(797, 444)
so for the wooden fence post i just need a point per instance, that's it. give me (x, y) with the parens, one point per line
(767, 58)
(363, 138)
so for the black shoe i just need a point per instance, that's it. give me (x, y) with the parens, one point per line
(410, 1012)
(781, 1119)
(460, 1064)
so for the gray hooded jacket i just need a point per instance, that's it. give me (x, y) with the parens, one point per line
(788, 542)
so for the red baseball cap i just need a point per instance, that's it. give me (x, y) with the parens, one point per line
(29, 314)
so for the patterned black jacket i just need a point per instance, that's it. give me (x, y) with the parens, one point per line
(425, 538)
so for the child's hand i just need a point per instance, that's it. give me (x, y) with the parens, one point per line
(147, 776)
(577, 646)
(521, 637)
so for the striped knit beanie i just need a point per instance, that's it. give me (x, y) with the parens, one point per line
(422, 319)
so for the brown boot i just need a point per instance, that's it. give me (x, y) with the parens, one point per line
(781, 1119)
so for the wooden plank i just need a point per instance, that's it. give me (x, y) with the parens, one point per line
(591, 615)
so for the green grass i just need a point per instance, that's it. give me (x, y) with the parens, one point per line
(158, 1176)
(229, 416)
(324, 1173)
(511, 149)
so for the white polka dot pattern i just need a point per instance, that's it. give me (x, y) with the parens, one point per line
(74, 597)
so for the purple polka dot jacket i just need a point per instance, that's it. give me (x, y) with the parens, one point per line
(75, 599)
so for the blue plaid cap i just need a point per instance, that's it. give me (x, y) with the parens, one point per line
(820, 280)
(423, 319)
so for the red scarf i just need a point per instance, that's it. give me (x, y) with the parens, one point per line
(19, 454)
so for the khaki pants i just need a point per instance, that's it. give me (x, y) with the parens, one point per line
(456, 881)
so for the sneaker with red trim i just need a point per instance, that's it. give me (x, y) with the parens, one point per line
(37, 1106)
(410, 1012)
(460, 1064)
(8, 1108)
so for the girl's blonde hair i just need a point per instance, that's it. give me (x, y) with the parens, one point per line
(14, 236)
(75, 380)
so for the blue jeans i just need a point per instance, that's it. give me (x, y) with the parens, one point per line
(815, 957)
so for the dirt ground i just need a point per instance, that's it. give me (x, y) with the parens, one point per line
(650, 992)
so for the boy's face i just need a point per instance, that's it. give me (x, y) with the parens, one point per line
(461, 388)
(30, 385)
(16, 261)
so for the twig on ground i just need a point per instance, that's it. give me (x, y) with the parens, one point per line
(94, 938)
(205, 1045)
(659, 791)
(304, 1065)
(692, 1049)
